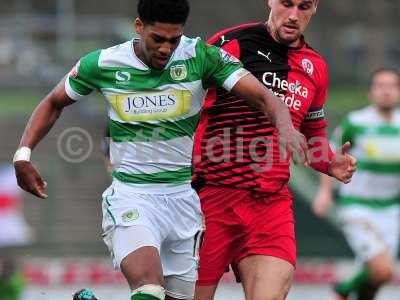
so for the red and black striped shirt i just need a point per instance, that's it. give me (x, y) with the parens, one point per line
(235, 144)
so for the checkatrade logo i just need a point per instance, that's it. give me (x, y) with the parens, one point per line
(291, 92)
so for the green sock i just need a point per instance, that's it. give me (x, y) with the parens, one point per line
(11, 289)
(367, 292)
(353, 284)
(143, 296)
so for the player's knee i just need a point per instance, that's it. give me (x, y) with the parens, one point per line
(204, 292)
(276, 295)
(142, 279)
(153, 291)
(275, 292)
(270, 293)
(381, 274)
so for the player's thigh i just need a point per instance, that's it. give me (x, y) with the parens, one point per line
(135, 250)
(381, 265)
(131, 221)
(142, 266)
(388, 222)
(219, 247)
(265, 277)
(364, 233)
(179, 262)
(224, 234)
(180, 250)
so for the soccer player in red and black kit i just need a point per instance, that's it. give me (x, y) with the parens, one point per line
(240, 174)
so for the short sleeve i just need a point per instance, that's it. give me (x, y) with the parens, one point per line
(81, 80)
(316, 113)
(221, 69)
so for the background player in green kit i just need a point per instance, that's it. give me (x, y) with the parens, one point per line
(154, 88)
(369, 206)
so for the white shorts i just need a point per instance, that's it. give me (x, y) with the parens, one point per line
(371, 231)
(171, 222)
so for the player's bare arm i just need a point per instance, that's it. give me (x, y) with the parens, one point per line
(40, 122)
(323, 199)
(291, 140)
(342, 167)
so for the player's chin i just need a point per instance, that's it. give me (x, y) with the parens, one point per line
(159, 64)
(288, 39)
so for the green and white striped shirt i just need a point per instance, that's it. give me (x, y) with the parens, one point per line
(153, 114)
(376, 145)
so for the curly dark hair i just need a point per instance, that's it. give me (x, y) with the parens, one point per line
(163, 11)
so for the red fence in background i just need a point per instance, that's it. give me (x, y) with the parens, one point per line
(99, 271)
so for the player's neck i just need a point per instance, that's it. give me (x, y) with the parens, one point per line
(386, 114)
(137, 48)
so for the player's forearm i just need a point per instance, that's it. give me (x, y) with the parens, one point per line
(44, 116)
(40, 123)
(320, 151)
(277, 112)
(326, 183)
(250, 89)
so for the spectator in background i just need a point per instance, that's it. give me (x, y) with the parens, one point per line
(369, 207)
(14, 231)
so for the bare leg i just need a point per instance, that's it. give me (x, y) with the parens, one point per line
(265, 277)
(380, 271)
(205, 292)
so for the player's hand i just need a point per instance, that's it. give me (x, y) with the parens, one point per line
(343, 165)
(29, 179)
(293, 144)
(322, 202)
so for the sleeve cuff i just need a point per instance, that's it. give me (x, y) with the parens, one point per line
(231, 81)
(70, 91)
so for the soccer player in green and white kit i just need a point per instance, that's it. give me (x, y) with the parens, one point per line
(369, 206)
(154, 87)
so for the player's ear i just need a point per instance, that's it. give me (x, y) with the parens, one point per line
(269, 3)
(138, 24)
(316, 6)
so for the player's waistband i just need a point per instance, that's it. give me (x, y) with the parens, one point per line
(200, 182)
(154, 189)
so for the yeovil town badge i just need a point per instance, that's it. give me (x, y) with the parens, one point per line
(178, 72)
(130, 215)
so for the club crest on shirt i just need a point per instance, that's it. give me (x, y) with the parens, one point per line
(308, 66)
(178, 72)
(130, 215)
